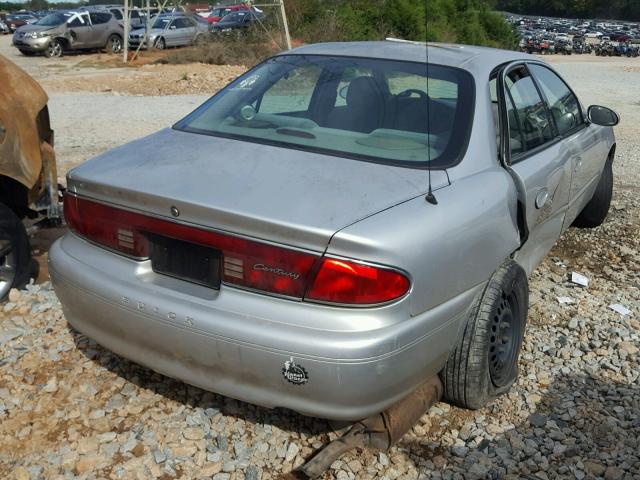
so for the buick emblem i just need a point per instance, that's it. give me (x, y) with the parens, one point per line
(174, 211)
(294, 373)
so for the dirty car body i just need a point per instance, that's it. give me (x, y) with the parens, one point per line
(28, 178)
(275, 246)
(71, 30)
(27, 161)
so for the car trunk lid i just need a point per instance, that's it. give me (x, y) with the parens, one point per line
(281, 195)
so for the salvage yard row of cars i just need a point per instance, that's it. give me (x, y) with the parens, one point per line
(101, 27)
(561, 36)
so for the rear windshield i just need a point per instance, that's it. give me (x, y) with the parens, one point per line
(378, 110)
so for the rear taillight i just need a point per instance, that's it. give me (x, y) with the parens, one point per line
(245, 263)
(346, 282)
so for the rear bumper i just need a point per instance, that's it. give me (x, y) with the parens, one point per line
(228, 342)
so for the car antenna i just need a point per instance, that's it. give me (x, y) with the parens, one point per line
(430, 196)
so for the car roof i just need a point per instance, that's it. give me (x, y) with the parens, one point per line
(454, 55)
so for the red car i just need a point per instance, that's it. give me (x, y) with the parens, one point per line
(15, 21)
(219, 12)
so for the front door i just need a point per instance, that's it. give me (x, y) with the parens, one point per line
(80, 31)
(589, 155)
(539, 161)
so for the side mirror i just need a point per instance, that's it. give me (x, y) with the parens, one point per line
(602, 116)
(173, 27)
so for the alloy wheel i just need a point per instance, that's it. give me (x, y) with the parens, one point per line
(116, 44)
(54, 49)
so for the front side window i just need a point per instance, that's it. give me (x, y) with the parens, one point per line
(53, 19)
(372, 109)
(162, 23)
(563, 104)
(528, 116)
(98, 18)
(117, 14)
(80, 21)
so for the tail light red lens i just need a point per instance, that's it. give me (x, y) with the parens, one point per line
(342, 281)
(245, 263)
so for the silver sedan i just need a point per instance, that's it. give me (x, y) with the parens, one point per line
(170, 31)
(337, 225)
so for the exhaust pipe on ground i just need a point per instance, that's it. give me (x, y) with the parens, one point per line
(379, 432)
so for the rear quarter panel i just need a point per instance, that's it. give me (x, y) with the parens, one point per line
(448, 248)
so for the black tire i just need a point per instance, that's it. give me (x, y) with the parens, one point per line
(54, 49)
(27, 53)
(114, 44)
(161, 44)
(594, 213)
(15, 252)
(484, 365)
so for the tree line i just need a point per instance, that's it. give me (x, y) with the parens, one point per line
(471, 22)
(462, 21)
(605, 9)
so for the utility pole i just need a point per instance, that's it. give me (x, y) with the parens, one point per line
(127, 22)
(286, 24)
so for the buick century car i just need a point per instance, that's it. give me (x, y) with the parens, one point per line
(338, 224)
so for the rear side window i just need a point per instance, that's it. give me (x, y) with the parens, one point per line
(528, 116)
(117, 14)
(98, 18)
(563, 104)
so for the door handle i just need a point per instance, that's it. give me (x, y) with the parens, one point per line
(541, 198)
(578, 163)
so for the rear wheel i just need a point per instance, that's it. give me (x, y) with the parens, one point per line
(15, 252)
(114, 44)
(484, 363)
(54, 49)
(594, 212)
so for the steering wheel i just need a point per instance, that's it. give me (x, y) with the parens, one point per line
(408, 92)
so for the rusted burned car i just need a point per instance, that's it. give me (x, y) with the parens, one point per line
(28, 178)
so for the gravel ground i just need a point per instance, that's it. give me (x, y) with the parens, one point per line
(87, 124)
(71, 409)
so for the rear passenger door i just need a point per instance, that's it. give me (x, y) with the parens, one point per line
(99, 26)
(539, 161)
(188, 30)
(588, 154)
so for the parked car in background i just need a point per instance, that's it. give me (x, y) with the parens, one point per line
(4, 28)
(219, 12)
(170, 30)
(325, 233)
(238, 22)
(136, 20)
(70, 30)
(15, 21)
(28, 178)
